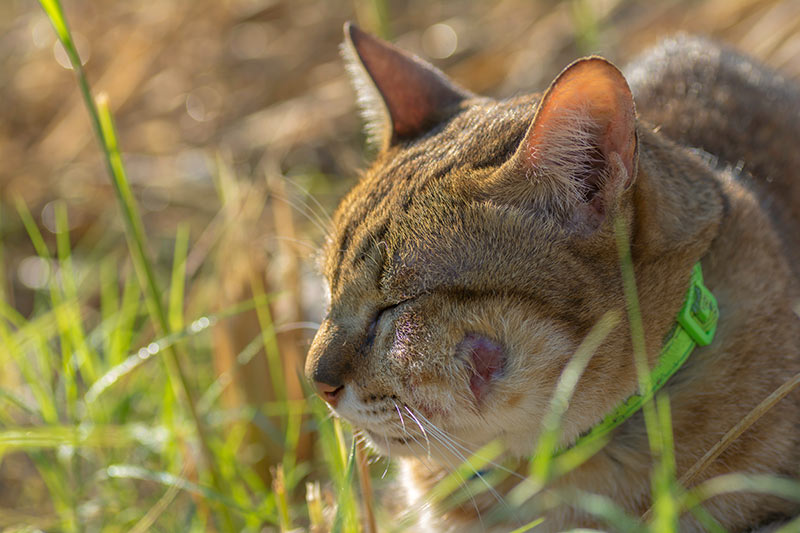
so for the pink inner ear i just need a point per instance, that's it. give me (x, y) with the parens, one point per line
(591, 94)
(487, 359)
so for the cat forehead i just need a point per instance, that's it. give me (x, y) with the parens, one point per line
(480, 137)
(481, 130)
(485, 119)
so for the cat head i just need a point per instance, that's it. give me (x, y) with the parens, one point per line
(476, 253)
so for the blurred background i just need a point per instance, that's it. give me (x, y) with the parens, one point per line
(239, 133)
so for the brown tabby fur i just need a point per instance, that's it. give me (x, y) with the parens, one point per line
(441, 238)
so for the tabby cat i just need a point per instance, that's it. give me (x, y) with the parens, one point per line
(479, 249)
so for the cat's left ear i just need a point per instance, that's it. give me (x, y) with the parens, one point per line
(580, 152)
(400, 95)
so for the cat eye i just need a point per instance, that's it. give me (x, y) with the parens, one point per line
(373, 326)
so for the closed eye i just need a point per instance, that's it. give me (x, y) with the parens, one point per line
(373, 326)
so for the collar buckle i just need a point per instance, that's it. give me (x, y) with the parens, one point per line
(699, 314)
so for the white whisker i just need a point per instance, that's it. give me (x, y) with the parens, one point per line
(402, 421)
(421, 429)
(305, 192)
(442, 439)
(452, 439)
(307, 244)
(450, 468)
(389, 458)
(447, 441)
(320, 224)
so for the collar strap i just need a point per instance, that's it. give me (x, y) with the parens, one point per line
(694, 326)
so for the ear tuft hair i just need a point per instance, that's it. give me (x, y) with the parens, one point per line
(568, 166)
(371, 106)
(580, 151)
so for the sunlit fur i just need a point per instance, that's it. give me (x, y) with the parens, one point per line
(370, 105)
(435, 242)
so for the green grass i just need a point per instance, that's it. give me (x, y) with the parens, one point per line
(121, 434)
(115, 407)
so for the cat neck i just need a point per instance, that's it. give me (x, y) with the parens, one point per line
(755, 289)
(684, 212)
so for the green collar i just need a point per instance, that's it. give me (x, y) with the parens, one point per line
(695, 326)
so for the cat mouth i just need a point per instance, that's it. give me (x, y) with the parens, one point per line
(377, 437)
(486, 362)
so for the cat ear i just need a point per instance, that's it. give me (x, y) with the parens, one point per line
(580, 152)
(400, 95)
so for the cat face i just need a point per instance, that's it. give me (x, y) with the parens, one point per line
(463, 267)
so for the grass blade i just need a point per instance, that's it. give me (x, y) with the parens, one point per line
(178, 283)
(102, 123)
(738, 429)
(86, 359)
(171, 480)
(345, 520)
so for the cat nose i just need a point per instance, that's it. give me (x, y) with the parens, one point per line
(329, 393)
(329, 380)
(329, 365)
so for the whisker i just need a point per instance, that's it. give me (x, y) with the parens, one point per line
(421, 428)
(462, 483)
(454, 441)
(301, 242)
(389, 459)
(421, 505)
(464, 460)
(402, 421)
(308, 194)
(308, 209)
(291, 326)
(320, 224)
(442, 437)
(452, 468)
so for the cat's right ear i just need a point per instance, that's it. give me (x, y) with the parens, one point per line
(400, 95)
(580, 153)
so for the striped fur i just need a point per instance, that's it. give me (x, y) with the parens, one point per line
(446, 236)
